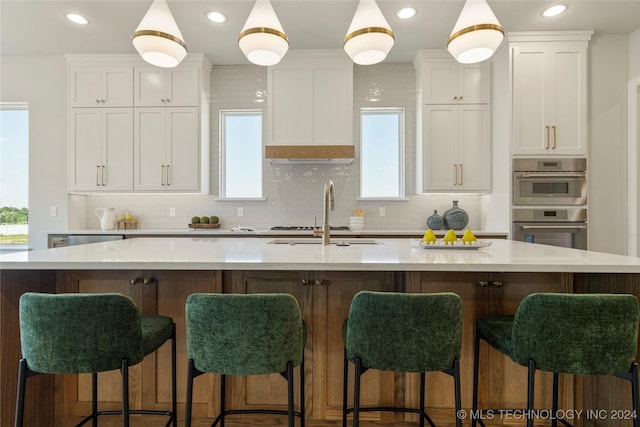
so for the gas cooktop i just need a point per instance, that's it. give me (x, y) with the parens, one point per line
(307, 228)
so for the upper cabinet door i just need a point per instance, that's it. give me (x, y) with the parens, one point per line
(444, 81)
(156, 87)
(549, 98)
(100, 86)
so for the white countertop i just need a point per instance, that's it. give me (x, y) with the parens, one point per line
(257, 232)
(247, 253)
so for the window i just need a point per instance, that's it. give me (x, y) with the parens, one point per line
(382, 153)
(14, 175)
(241, 154)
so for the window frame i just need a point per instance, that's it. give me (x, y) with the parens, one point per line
(19, 106)
(222, 188)
(400, 112)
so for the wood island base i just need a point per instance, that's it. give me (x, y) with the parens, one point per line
(324, 298)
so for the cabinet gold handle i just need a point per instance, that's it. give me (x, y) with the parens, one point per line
(555, 137)
(461, 174)
(162, 174)
(460, 97)
(455, 98)
(168, 100)
(455, 174)
(97, 175)
(102, 177)
(546, 145)
(168, 175)
(97, 101)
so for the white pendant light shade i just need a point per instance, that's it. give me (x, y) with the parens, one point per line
(262, 39)
(477, 33)
(369, 38)
(158, 39)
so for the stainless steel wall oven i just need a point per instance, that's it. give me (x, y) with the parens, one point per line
(549, 182)
(550, 201)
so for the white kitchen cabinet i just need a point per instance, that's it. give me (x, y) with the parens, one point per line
(453, 141)
(167, 149)
(456, 148)
(310, 100)
(157, 87)
(444, 81)
(160, 146)
(100, 85)
(101, 149)
(549, 94)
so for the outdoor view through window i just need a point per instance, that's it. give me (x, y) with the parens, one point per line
(14, 175)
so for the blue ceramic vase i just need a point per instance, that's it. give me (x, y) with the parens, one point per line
(455, 217)
(435, 221)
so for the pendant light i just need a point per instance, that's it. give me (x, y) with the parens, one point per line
(369, 38)
(477, 33)
(158, 39)
(262, 39)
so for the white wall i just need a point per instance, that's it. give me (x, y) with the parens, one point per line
(41, 81)
(607, 163)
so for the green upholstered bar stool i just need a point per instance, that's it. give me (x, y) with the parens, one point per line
(89, 333)
(402, 332)
(581, 334)
(242, 335)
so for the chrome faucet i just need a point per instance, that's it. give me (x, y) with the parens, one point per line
(329, 204)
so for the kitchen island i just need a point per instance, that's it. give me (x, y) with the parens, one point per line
(159, 273)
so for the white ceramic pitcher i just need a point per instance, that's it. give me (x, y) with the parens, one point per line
(107, 218)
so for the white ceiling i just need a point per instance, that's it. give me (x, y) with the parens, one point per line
(38, 27)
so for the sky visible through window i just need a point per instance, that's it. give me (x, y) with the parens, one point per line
(380, 150)
(242, 155)
(14, 158)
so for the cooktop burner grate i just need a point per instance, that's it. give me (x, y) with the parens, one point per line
(306, 228)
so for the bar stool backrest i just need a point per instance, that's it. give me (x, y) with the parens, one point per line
(589, 334)
(244, 334)
(79, 333)
(406, 332)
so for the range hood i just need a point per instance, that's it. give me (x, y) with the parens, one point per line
(342, 154)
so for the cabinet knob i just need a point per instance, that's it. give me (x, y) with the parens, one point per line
(163, 100)
(97, 101)
(134, 280)
(483, 283)
(148, 281)
(306, 282)
(460, 97)
(455, 98)
(168, 100)
(497, 283)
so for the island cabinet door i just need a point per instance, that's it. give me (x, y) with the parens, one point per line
(324, 299)
(502, 383)
(163, 293)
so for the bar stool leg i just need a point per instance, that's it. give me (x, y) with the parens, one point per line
(456, 390)
(554, 407)
(94, 399)
(345, 379)
(635, 393)
(302, 412)
(530, 388)
(22, 384)
(422, 387)
(125, 393)
(174, 393)
(356, 393)
(476, 364)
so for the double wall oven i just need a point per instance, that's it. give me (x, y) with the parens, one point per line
(550, 201)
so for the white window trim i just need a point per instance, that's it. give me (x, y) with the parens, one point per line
(15, 106)
(222, 143)
(401, 153)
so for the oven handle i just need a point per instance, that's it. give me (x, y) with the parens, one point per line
(553, 227)
(552, 175)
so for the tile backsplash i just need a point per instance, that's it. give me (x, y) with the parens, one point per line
(293, 193)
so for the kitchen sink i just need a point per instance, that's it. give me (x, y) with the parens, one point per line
(316, 241)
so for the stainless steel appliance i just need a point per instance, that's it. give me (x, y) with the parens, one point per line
(565, 227)
(549, 182)
(61, 240)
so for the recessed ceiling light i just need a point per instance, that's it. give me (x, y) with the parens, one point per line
(77, 19)
(216, 17)
(554, 10)
(406, 13)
